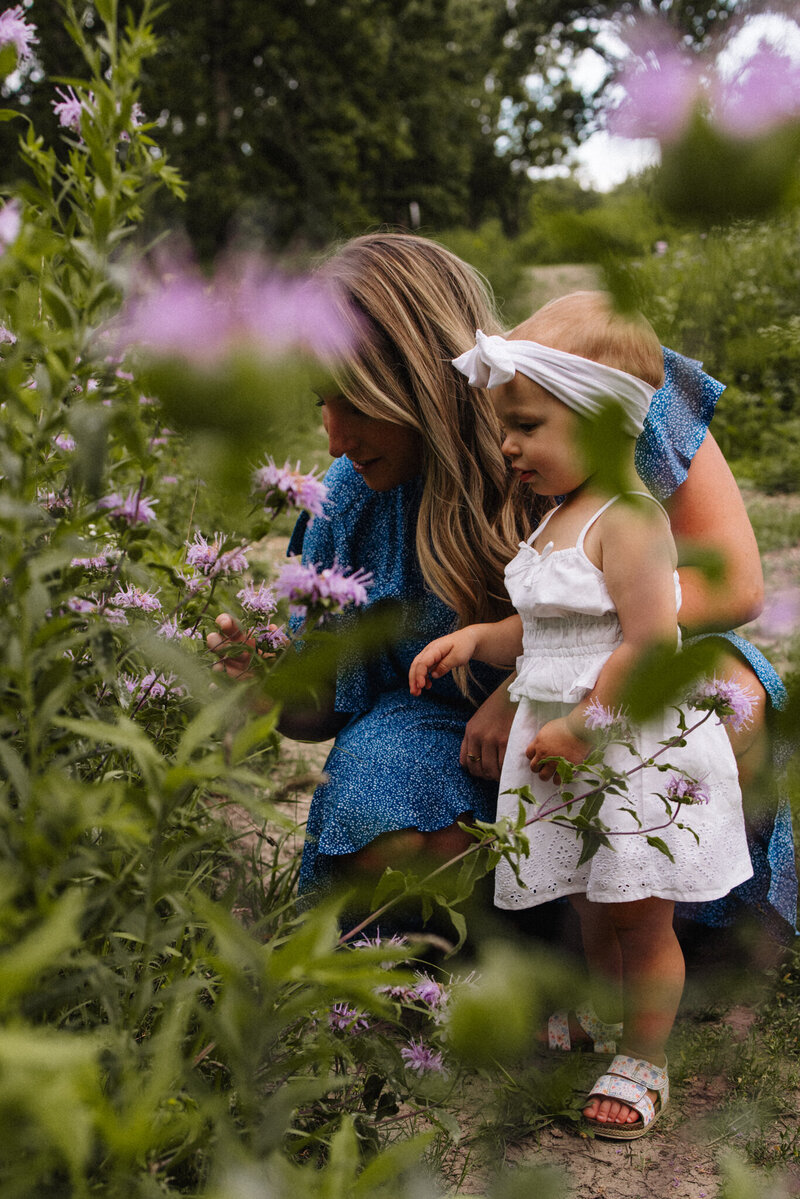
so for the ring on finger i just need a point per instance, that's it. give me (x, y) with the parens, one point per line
(473, 757)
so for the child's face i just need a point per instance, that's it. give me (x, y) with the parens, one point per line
(540, 437)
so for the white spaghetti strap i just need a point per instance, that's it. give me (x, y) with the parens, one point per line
(647, 495)
(606, 505)
(591, 521)
(541, 525)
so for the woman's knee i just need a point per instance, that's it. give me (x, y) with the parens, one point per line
(408, 847)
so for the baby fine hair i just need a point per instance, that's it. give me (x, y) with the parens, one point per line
(586, 323)
(415, 306)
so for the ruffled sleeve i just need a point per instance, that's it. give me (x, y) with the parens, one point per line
(676, 424)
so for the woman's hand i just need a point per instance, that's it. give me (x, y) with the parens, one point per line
(236, 666)
(486, 735)
(555, 740)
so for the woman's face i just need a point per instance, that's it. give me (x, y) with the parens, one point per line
(384, 454)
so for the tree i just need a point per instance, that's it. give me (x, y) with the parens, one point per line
(305, 120)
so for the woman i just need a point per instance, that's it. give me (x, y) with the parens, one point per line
(421, 497)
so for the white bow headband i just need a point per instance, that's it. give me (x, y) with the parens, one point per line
(578, 382)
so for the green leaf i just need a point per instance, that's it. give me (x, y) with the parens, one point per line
(59, 306)
(661, 846)
(394, 1161)
(662, 677)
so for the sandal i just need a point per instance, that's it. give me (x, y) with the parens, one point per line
(602, 1037)
(628, 1080)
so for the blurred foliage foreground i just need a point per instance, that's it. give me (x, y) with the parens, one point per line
(170, 1024)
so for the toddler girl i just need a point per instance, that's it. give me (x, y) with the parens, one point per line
(593, 586)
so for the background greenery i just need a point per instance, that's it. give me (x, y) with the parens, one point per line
(166, 1012)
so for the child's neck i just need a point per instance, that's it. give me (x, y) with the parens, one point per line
(600, 487)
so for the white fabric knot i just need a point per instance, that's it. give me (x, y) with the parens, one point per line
(580, 383)
(489, 363)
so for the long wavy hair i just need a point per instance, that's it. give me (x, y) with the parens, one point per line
(416, 306)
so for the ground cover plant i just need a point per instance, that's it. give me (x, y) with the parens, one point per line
(171, 1024)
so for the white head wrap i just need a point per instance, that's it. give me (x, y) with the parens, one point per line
(578, 382)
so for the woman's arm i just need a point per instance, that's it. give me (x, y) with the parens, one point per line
(707, 513)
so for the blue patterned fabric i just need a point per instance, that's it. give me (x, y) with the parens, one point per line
(395, 764)
(676, 423)
(772, 891)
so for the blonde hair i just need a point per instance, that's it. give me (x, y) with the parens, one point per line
(587, 323)
(416, 306)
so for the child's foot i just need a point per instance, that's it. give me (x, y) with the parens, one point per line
(625, 1102)
(612, 1111)
(581, 1030)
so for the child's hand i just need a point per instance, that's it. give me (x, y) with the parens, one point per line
(555, 740)
(440, 657)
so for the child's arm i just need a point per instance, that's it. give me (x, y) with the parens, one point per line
(638, 559)
(499, 644)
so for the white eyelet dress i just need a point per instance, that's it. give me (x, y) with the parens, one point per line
(570, 628)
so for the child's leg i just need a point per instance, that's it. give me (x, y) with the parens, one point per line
(603, 958)
(652, 983)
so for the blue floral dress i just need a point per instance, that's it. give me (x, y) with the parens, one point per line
(395, 764)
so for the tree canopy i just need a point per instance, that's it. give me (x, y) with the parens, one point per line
(305, 120)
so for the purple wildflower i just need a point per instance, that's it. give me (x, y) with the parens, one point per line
(686, 790)
(209, 558)
(10, 224)
(135, 597)
(258, 598)
(69, 109)
(195, 583)
(15, 32)
(764, 93)
(81, 606)
(133, 508)
(99, 562)
(170, 630)
(283, 486)
(185, 315)
(421, 1058)
(375, 942)
(344, 1018)
(114, 616)
(65, 442)
(270, 636)
(661, 84)
(153, 687)
(6, 336)
(598, 718)
(734, 704)
(428, 991)
(399, 993)
(309, 589)
(57, 502)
